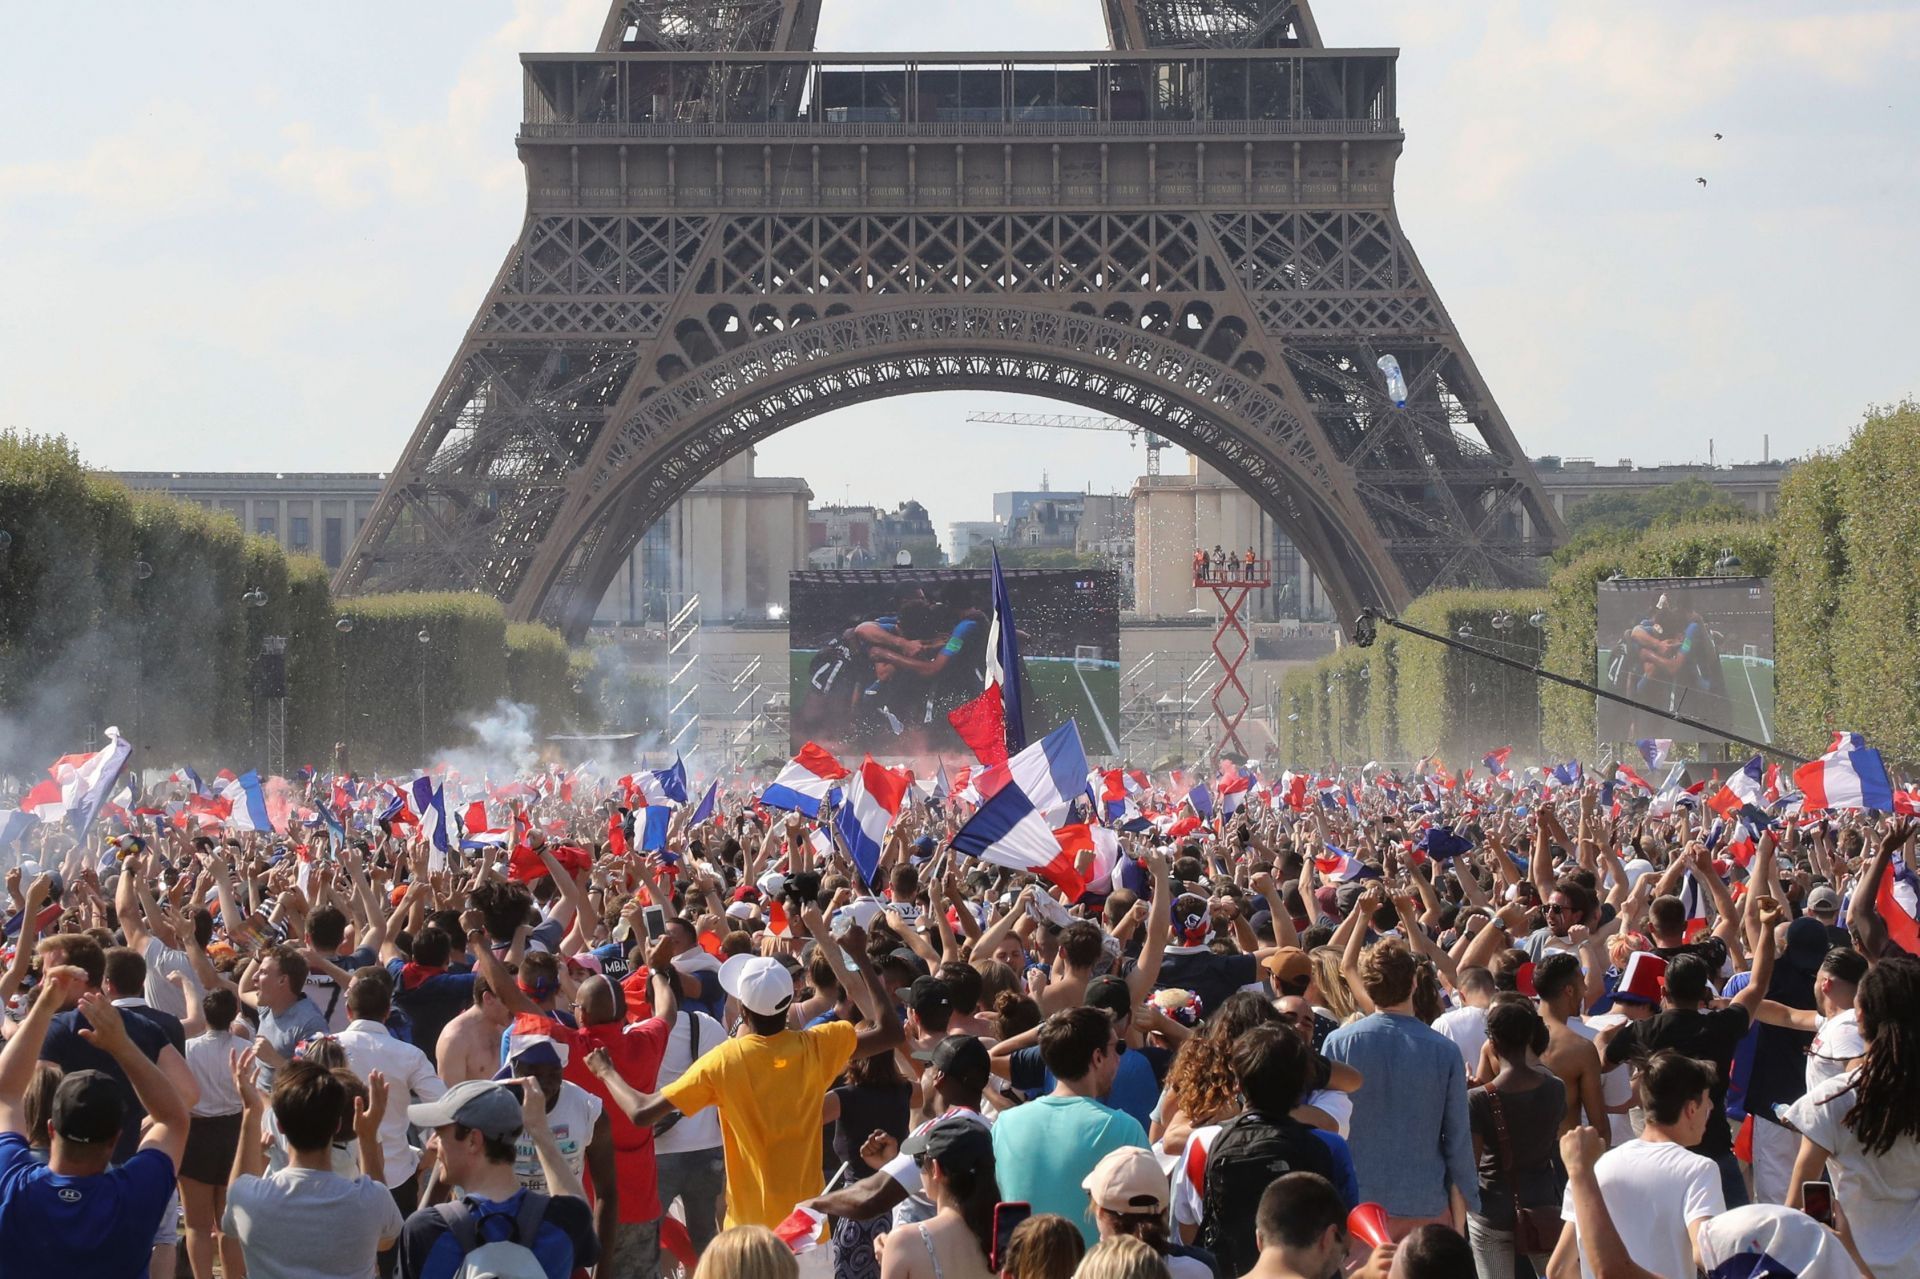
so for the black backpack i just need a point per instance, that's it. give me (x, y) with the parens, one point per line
(1245, 1157)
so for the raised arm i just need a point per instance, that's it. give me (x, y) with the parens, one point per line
(1153, 951)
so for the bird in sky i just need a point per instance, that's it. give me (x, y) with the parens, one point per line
(1701, 181)
(1716, 137)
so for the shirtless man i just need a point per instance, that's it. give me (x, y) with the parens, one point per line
(469, 1047)
(1570, 1054)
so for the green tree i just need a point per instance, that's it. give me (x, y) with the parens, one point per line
(1615, 519)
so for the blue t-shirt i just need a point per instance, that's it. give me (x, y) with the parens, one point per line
(101, 1226)
(431, 1003)
(65, 1048)
(1135, 1090)
(565, 1241)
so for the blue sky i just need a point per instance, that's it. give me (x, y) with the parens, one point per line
(250, 237)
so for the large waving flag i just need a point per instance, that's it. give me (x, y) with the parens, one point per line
(1339, 866)
(806, 781)
(1745, 787)
(1655, 750)
(704, 810)
(430, 802)
(79, 785)
(993, 725)
(873, 801)
(249, 803)
(1849, 775)
(1899, 902)
(1008, 830)
(1200, 799)
(1052, 772)
(1234, 790)
(653, 825)
(1103, 843)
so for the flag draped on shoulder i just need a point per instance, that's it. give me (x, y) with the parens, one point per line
(807, 780)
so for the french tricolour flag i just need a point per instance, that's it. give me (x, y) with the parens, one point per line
(1008, 830)
(1338, 865)
(993, 724)
(430, 802)
(807, 780)
(1849, 775)
(249, 803)
(1747, 786)
(1899, 902)
(873, 801)
(663, 785)
(1233, 792)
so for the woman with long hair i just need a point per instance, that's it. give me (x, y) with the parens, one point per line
(1044, 1247)
(874, 1099)
(1515, 1120)
(956, 1165)
(747, 1252)
(1201, 1088)
(1864, 1127)
(1338, 1001)
(1122, 1257)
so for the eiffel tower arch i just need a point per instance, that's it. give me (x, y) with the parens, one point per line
(728, 233)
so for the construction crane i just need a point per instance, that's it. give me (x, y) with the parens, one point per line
(1071, 422)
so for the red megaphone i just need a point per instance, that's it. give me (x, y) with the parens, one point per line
(1368, 1223)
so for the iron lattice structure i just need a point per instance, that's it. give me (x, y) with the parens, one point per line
(727, 234)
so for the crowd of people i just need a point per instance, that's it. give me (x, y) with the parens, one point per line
(1414, 1026)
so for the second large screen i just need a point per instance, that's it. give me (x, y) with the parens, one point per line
(1702, 646)
(880, 656)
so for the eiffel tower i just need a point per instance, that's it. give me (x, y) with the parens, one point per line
(728, 233)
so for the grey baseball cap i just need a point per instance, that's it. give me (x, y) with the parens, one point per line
(1823, 901)
(479, 1103)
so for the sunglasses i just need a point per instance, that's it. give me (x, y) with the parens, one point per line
(1558, 910)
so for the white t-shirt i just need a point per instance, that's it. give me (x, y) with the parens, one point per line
(571, 1118)
(1467, 1028)
(1654, 1191)
(161, 993)
(1837, 1042)
(1880, 1193)
(701, 1129)
(1616, 1086)
(1335, 1105)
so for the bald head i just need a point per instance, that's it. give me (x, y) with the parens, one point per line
(597, 1004)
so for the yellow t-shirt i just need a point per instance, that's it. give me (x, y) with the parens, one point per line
(769, 1090)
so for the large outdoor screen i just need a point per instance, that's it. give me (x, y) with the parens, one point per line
(880, 656)
(1699, 646)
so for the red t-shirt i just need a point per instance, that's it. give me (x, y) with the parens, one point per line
(636, 1049)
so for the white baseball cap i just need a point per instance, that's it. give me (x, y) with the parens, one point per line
(762, 985)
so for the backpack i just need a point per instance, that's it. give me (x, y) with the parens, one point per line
(502, 1259)
(1245, 1157)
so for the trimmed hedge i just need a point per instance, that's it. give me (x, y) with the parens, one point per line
(173, 657)
(1874, 644)
(405, 697)
(1383, 696)
(540, 674)
(1686, 551)
(1810, 575)
(1457, 705)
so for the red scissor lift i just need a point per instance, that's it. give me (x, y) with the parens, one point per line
(1231, 583)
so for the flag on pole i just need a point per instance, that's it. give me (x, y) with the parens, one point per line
(703, 811)
(83, 782)
(807, 780)
(653, 829)
(1745, 786)
(993, 725)
(1655, 750)
(249, 803)
(1849, 775)
(430, 802)
(1008, 830)
(873, 801)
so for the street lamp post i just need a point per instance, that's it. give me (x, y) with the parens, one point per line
(344, 626)
(425, 639)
